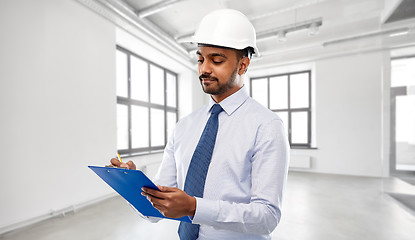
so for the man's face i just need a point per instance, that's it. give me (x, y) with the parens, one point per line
(218, 69)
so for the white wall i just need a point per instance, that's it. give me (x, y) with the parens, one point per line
(349, 128)
(348, 115)
(57, 102)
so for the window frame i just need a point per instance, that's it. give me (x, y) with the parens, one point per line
(290, 110)
(129, 102)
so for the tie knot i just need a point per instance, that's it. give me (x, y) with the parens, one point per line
(216, 109)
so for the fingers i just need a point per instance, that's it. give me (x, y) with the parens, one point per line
(152, 192)
(163, 188)
(159, 207)
(115, 162)
(157, 203)
(154, 200)
(156, 197)
(171, 202)
(124, 165)
(168, 189)
(131, 165)
(128, 165)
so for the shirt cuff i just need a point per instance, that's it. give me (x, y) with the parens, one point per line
(206, 211)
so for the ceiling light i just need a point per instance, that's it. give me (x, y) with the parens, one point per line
(399, 34)
(312, 24)
(313, 29)
(281, 36)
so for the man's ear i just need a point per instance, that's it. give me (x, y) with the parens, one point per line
(243, 65)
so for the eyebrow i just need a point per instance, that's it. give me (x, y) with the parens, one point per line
(213, 55)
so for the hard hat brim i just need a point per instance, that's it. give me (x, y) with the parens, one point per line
(218, 45)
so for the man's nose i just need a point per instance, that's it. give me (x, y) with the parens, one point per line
(205, 68)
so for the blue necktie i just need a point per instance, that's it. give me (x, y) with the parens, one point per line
(198, 168)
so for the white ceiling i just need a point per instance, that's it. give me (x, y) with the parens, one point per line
(347, 25)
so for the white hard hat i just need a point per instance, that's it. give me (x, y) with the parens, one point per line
(226, 28)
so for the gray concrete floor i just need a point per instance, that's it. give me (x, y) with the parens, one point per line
(316, 206)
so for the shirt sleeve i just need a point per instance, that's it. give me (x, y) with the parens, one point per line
(167, 173)
(269, 173)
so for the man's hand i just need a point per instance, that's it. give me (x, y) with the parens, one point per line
(129, 165)
(171, 202)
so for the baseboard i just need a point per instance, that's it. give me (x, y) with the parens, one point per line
(58, 213)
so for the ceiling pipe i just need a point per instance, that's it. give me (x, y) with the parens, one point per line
(158, 7)
(128, 13)
(185, 37)
(317, 22)
(312, 58)
(275, 32)
(295, 7)
(317, 46)
(366, 35)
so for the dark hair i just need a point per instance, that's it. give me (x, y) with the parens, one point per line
(247, 52)
(240, 53)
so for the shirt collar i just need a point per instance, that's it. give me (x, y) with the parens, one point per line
(233, 102)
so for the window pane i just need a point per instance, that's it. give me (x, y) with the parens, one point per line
(260, 90)
(122, 126)
(405, 132)
(157, 84)
(284, 118)
(139, 127)
(122, 74)
(171, 90)
(299, 90)
(139, 79)
(299, 133)
(157, 127)
(403, 72)
(171, 123)
(405, 119)
(278, 90)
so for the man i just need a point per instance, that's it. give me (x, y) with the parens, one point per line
(225, 165)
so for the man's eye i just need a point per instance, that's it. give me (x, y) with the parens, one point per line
(217, 62)
(200, 61)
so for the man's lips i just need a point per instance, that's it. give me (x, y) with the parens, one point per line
(208, 80)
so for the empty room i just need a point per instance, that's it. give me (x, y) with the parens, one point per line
(195, 119)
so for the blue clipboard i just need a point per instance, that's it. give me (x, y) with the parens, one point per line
(128, 184)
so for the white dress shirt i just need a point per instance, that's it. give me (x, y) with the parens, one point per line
(247, 174)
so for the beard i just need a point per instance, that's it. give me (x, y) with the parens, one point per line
(219, 88)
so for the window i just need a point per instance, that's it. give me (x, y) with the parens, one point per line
(288, 95)
(402, 116)
(403, 72)
(146, 103)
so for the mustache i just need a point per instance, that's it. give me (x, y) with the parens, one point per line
(205, 76)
